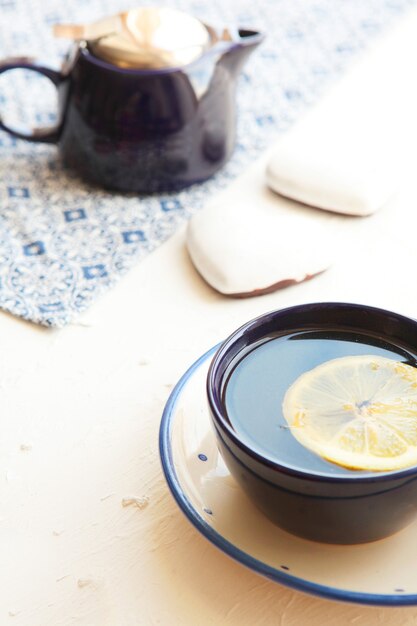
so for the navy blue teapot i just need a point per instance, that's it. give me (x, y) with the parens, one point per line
(150, 119)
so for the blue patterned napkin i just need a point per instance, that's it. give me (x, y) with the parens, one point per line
(61, 242)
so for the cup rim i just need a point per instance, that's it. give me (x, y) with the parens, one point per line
(213, 392)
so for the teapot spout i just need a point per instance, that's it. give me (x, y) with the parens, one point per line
(238, 46)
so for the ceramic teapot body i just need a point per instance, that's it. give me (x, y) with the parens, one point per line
(145, 130)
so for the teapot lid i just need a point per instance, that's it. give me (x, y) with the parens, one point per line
(146, 37)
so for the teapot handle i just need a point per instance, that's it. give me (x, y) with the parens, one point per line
(44, 135)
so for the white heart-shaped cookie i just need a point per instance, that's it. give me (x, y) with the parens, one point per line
(249, 249)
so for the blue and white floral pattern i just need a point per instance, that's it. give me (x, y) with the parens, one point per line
(61, 242)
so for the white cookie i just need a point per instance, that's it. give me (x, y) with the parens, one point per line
(345, 179)
(245, 250)
(349, 153)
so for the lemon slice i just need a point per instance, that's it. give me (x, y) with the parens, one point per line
(358, 411)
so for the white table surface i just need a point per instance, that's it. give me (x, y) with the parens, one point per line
(80, 409)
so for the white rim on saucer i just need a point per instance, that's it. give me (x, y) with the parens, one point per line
(379, 573)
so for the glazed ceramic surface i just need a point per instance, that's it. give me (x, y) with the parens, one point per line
(145, 130)
(381, 573)
(315, 504)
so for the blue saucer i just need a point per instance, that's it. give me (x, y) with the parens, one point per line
(379, 573)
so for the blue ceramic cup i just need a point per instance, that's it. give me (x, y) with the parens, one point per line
(144, 130)
(332, 508)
